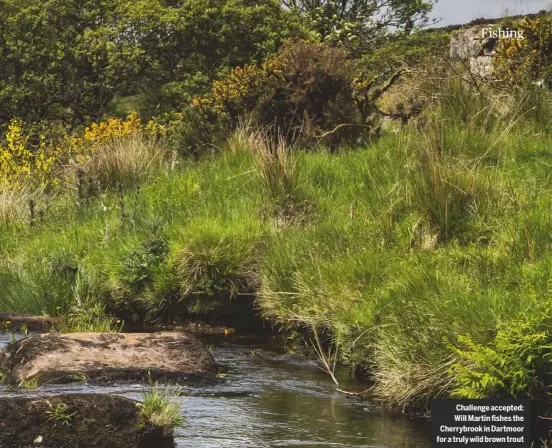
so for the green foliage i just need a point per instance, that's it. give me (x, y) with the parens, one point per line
(196, 134)
(515, 364)
(359, 24)
(30, 384)
(61, 60)
(400, 49)
(69, 61)
(160, 408)
(141, 263)
(60, 415)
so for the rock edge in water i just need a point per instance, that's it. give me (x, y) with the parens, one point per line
(95, 421)
(19, 322)
(106, 357)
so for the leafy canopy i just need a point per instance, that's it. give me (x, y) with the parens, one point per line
(68, 60)
(358, 24)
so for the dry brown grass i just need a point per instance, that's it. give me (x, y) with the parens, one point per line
(15, 203)
(275, 162)
(127, 161)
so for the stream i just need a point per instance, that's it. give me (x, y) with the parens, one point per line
(268, 398)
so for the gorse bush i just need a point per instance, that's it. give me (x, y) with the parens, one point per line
(114, 151)
(305, 91)
(518, 61)
(28, 157)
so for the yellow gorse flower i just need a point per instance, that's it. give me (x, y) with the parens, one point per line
(518, 60)
(21, 161)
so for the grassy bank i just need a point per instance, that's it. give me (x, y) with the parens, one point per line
(425, 255)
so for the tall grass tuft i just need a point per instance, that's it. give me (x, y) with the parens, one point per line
(217, 263)
(160, 408)
(15, 203)
(277, 169)
(127, 161)
(276, 163)
(454, 198)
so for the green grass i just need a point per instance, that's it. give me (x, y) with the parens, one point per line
(60, 415)
(415, 253)
(160, 408)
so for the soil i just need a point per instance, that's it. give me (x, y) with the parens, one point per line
(95, 421)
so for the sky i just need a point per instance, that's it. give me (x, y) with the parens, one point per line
(456, 12)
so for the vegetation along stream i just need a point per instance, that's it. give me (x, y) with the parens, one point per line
(270, 399)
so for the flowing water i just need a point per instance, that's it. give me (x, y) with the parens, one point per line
(270, 399)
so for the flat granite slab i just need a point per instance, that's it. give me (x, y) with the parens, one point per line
(106, 357)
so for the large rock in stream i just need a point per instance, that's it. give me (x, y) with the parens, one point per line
(83, 421)
(106, 357)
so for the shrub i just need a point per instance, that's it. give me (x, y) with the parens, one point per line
(198, 131)
(116, 150)
(305, 90)
(28, 155)
(142, 282)
(520, 60)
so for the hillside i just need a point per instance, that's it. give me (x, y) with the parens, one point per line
(378, 203)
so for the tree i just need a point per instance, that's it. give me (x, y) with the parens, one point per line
(62, 59)
(69, 60)
(191, 43)
(357, 24)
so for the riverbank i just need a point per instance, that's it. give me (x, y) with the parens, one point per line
(424, 256)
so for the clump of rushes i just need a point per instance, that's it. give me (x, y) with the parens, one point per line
(219, 261)
(160, 408)
(276, 166)
(127, 161)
